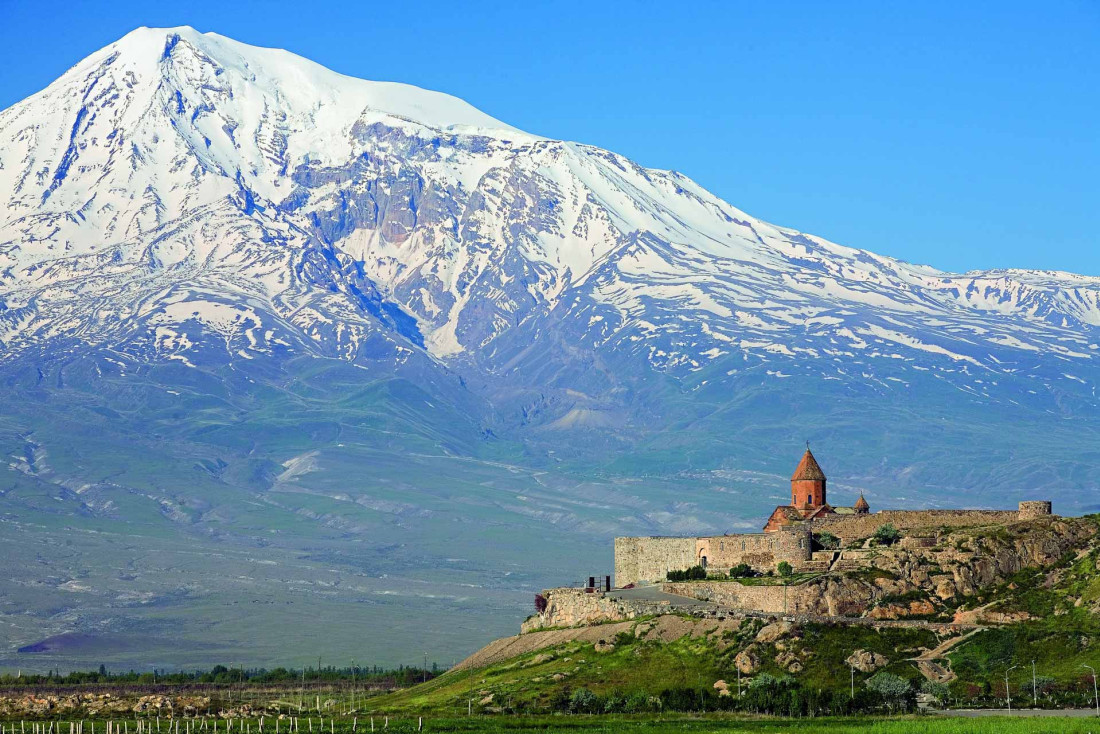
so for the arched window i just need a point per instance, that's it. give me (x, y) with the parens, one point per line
(801, 542)
(742, 545)
(722, 545)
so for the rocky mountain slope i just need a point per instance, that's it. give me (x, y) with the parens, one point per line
(246, 299)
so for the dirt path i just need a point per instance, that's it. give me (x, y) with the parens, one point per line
(932, 670)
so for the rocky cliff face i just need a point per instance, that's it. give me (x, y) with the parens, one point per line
(937, 582)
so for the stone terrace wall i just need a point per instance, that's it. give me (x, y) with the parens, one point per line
(851, 527)
(769, 599)
(568, 607)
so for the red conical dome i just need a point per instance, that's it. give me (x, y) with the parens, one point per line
(808, 469)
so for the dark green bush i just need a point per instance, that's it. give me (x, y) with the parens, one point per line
(741, 571)
(886, 535)
(695, 573)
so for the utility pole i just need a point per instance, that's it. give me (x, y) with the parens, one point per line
(1034, 687)
(853, 671)
(1094, 693)
(1008, 693)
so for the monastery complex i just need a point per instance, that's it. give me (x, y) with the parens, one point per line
(789, 533)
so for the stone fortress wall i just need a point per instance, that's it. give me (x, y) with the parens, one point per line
(651, 558)
(913, 522)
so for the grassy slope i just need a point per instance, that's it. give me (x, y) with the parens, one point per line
(529, 683)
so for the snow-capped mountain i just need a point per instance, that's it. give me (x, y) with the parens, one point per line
(177, 176)
(179, 196)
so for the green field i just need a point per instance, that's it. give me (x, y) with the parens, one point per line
(927, 724)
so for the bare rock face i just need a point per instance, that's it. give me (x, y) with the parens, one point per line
(747, 661)
(901, 610)
(867, 662)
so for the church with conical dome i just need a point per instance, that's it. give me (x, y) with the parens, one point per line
(808, 498)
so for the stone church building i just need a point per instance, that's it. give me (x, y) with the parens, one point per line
(808, 498)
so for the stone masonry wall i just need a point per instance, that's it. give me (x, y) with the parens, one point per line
(768, 599)
(641, 559)
(1034, 509)
(852, 527)
(568, 607)
(650, 559)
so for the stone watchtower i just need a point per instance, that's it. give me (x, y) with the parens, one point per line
(1034, 509)
(808, 483)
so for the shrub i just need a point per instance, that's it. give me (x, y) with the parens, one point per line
(741, 571)
(584, 701)
(886, 534)
(540, 603)
(827, 541)
(624, 638)
(785, 569)
(695, 573)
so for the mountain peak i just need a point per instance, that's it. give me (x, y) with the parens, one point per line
(297, 79)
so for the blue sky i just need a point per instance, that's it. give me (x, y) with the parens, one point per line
(961, 137)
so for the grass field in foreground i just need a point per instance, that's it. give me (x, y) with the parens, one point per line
(704, 725)
(652, 724)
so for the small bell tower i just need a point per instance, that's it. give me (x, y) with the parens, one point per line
(808, 483)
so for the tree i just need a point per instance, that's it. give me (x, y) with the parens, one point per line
(827, 540)
(741, 571)
(937, 690)
(785, 569)
(886, 535)
(896, 692)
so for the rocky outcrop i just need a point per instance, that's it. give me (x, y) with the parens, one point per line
(775, 631)
(867, 662)
(572, 607)
(955, 564)
(903, 610)
(747, 661)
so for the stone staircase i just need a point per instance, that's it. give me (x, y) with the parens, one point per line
(820, 562)
(853, 560)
